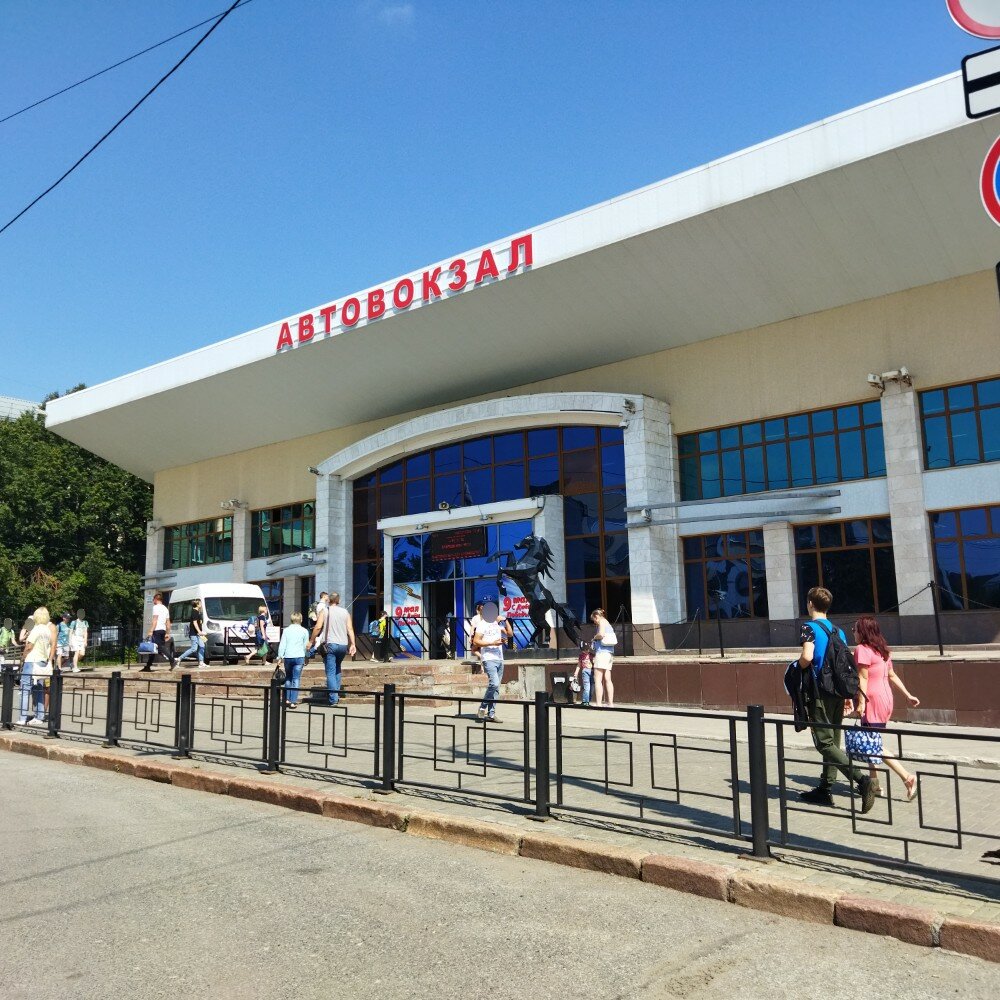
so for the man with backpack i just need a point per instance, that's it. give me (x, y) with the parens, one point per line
(835, 678)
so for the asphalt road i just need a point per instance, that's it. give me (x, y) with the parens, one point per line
(114, 887)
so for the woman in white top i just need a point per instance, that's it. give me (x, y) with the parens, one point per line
(39, 647)
(604, 654)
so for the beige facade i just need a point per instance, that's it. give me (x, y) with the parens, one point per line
(943, 333)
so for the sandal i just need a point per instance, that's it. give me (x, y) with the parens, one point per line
(911, 788)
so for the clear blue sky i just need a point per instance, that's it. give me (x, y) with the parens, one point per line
(313, 147)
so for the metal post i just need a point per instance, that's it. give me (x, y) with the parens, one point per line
(272, 730)
(698, 619)
(388, 739)
(225, 646)
(937, 617)
(758, 780)
(115, 710)
(185, 715)
(7, 698)
(542, 775)
(722, 648)
(55, 704)
(558, 642)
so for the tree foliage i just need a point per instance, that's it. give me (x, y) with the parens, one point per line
(72, 526)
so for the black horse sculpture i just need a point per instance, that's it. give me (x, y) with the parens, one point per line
(526, 570)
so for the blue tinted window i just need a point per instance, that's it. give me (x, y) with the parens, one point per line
(982, 568)
(974, 521)
(805, 537)
(581, 514)
(477, 453)
(752, 433)
(881, 530)
(944, 524)
(989, 420)
(989, 392)
(732, 473)
(418, 496)
(448, 459)
(695, 584)
(960, 397)
(710, 484)
(798, 426)
(583, 558)
(613, 465)
(937, 455)
(801, 462)
(949, 576)
(933, 401)
(774, 430)
(543, 476)
(729, 437)
(392, 473)
(856, 533)
(777, 466)
(825, 449)
(722, 579)
(418, 465)
(406, 559)
(690, 490)
(364, 578)
(753, 469)
(543, 442)
(822, 421)
(692, 548)
(508, 447)
(477, 487)
(616, 555)
(875, 450)
(448, 489)
(612, 435)
(964, 438)
(509, 482)
(871, 413)
(687, 443)
(614, 510)
(708, 440)
(852, 464)
(830, 536)
(848, 416)
(579, 437)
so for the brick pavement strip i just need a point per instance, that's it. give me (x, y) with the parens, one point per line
(760, 890)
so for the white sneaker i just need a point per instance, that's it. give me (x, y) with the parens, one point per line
(76, 670)
(35, 722)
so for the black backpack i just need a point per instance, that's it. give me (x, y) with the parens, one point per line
(837, 675)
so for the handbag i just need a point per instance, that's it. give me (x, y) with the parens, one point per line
(146, 646)
(862, 743)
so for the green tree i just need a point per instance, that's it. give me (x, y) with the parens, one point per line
(72, 526)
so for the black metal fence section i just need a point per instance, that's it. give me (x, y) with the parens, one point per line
(728, 774)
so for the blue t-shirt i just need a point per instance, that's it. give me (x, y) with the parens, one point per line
(62, 634)
(818, 632)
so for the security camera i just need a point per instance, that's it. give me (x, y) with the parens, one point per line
(226, 505)
(314, 470)
(444, 505)
(623, 423)
(875, 381)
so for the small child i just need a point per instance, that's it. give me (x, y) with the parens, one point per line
(585, 671)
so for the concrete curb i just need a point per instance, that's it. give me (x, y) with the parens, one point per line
(763, 891)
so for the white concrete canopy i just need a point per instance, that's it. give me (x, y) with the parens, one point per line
(867, 203)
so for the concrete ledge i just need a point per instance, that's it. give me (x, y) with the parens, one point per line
(583, 854)
(382, 814)
(67, 755)
(786, 898)
(685, 875)
(470, 832)
(264, 790)
(980, 940)
(201, 781)
(908, 923)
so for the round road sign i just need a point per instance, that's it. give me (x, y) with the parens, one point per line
(978, 17)
(989, 182)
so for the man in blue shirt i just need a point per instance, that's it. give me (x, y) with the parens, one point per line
(827, 711)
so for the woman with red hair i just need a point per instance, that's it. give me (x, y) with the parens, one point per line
(876, 681)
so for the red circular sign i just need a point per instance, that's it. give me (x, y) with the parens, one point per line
(989, 182)
(978, 17)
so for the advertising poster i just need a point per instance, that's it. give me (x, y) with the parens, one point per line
(407, 618)
(514, 606)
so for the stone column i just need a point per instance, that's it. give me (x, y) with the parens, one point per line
(335, 533)
(779, 565)
(291, 598)
(241, 544)
(155, 536)
(651, 477)
(911, 538)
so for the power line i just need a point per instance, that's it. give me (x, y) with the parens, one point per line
(127, 114)
(121, 62)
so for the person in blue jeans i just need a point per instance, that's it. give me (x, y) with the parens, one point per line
(292, 657)
(583, 676)
(489, 639)
(335, 630)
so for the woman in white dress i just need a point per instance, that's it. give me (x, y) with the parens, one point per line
(604, 655)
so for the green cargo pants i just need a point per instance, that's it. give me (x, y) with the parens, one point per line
(827, 711)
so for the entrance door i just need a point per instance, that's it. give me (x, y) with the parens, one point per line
(440, 602)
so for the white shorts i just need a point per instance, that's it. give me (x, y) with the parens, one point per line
(77, 646)
(603, 659)
(62, 650)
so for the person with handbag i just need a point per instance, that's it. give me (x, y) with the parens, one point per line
(39, 648)
(876, 679)
(159, 635)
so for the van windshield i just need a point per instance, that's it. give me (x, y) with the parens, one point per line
(232, 609)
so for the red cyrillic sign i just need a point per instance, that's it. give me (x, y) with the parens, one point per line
(436, 283)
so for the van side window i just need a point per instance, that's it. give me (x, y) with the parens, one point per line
(181, 612)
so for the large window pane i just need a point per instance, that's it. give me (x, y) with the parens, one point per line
(695, 584)
(964, 438)
(616, 561)
(690, 489)
(613, 465)
(418, 496)
(848, 575)
(418, 465)
(710, 480)
(885, 579)
(508, 482)
(936, 452)
(579, 437)
(448, 459)
(852, 464)
(753, 469)
(801, 462)
(543, 442)
(982, 572)
(581, 514)
(989, 420)
(614, 510)
(732, 473)
(583, 558)
(875, 450)
(508, 447)
(406, 559)
(477, 453)
(580, 471)
(948, 563)
(825, 449)
(543, 476)
(777, 466)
